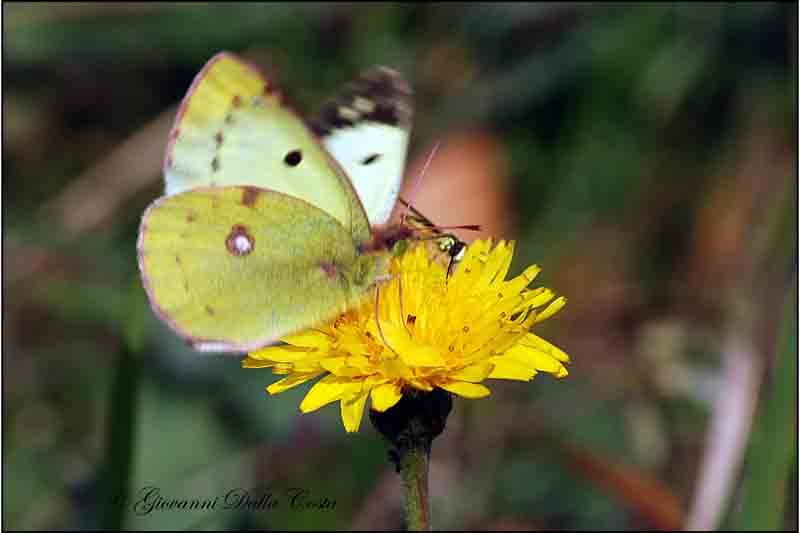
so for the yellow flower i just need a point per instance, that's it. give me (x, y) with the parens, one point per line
(443, 332)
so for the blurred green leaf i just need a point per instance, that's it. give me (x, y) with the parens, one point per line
(772, 454)
(179, 31)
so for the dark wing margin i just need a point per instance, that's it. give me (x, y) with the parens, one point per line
(380, 94)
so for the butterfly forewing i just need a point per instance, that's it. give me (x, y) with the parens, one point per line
(233, 129)
(366, 127)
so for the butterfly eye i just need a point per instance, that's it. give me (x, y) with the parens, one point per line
(293, 158)
(370, 159)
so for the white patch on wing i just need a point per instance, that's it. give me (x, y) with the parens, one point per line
(242, 244)
(377, 183)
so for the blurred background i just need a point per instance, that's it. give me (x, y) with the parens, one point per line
(644, 155)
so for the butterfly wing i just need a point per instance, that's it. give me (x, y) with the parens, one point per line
(366, 128)
(233, 129)
(235, 268)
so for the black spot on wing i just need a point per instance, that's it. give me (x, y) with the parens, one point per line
(370, 159)
(293, 158)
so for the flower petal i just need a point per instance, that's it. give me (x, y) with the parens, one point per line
(554, 307)
(508, 368)
(546, 347)
(307, 365)
(421, 384)
(283, 368)
(473, 373)
(416, 355)
(514, 286)
(385, 396)
(327, 390)
(281, 354)
(497, 265)
(537, 359)
(309, 338)
(471, 266)
(396, 368)
(467, 390)
(538, 297)
(249, 362)
(291, 381)
(338, 366)
(353, 410)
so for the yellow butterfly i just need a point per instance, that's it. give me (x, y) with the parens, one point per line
(261, 232)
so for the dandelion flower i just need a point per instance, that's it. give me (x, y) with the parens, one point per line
(431, 331)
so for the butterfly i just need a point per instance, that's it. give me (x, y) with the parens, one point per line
(270, 225)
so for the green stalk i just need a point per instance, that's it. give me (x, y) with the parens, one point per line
(414, 475)
(773, 445)
(410, 427)
(122, 419)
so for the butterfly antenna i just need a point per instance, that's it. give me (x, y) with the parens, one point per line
(419, 216)
(378, 320)
(416, 185)
(438, 231)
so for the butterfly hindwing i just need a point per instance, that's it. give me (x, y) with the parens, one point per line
(366, 128)
(235, 268)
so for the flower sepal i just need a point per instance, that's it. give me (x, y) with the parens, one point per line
(414, 421)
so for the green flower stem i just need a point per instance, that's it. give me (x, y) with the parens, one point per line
(413, 468)
(410, 427)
